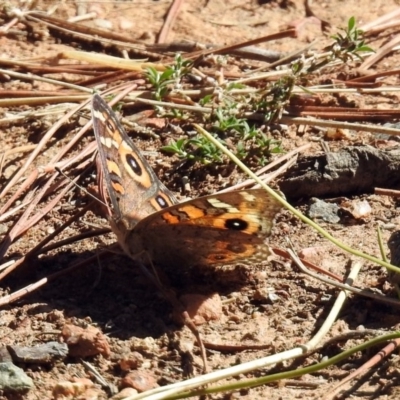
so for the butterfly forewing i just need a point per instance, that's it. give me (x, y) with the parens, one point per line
(134, 189)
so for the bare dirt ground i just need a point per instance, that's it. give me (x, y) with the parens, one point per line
(277, 308)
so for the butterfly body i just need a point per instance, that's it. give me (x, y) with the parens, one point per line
(150, 224)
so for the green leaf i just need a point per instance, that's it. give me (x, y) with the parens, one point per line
(366, 49)
(351, 24)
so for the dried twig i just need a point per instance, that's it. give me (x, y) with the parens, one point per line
(169, 20)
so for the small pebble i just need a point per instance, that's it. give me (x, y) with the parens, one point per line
(132, 361)
(85, 342)
(14, 379)
(72, 389)
(40, 354)
(139, 380)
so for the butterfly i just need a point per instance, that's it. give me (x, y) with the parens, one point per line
(210, 231)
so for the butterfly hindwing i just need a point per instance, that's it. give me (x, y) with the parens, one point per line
(212, 230)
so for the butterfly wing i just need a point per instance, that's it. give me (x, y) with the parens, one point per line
(214, 230)
(133, 187)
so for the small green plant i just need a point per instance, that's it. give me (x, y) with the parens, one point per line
(246, 141)
(259, 147)
(225, 119)
(175, 113)
(197, 148)
(206, 100)
(350, 43)
(346, 46)
(178, 147)
(163, 82)
(272, 100)
(160, 81)
(181, 67)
